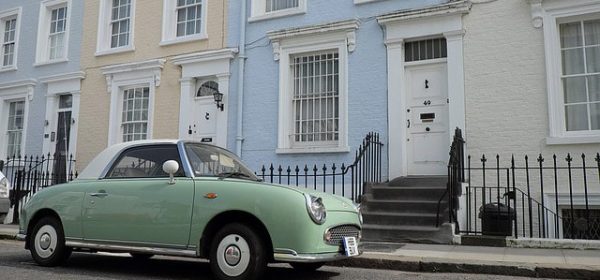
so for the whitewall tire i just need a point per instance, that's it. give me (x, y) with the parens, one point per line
(237, 252)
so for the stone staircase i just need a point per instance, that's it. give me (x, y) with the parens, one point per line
(405, 210)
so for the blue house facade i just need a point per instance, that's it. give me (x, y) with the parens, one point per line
(39, 76)
(319, 75)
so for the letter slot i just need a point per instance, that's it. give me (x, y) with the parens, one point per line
(427, 117)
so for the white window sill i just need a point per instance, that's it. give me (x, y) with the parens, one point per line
(129, 48)
(566, 140)
(365, 1)
(313, 150)
(8, 68)
(49, 62)
(278, 14)
(183, 39)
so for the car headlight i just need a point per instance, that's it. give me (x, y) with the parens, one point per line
(4, 188)
(316, 209)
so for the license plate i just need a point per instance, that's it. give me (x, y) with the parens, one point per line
(351, 246)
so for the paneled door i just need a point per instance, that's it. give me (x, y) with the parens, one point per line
(427, 119)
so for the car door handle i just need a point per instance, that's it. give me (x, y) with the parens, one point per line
(99, 194)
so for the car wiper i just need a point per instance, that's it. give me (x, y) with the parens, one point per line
(225, 175)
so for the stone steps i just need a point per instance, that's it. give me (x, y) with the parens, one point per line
(406, 210)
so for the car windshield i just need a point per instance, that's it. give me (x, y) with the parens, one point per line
(207, 160)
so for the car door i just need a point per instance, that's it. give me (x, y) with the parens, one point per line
(135, 203)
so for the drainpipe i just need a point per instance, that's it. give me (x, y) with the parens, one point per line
(241, 73)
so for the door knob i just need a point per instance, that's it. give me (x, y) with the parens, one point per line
(427, 129)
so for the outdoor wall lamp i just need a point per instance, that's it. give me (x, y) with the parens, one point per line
(219, 99)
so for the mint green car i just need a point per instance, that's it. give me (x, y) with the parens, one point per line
(169, 197)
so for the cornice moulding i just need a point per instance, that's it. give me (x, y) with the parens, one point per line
(204, 56)
(63, 77)
(459, 7)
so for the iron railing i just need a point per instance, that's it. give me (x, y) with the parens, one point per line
(549, 200)
(456, 176)
(29, 174)
(347, 180)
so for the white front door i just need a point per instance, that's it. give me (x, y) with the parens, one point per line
(427, 138)
(204, 126)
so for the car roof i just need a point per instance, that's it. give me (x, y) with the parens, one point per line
(96, 167)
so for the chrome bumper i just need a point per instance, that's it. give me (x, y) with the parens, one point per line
(292, 256)
(21, 237)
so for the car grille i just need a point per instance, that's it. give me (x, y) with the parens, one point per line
(338, 233)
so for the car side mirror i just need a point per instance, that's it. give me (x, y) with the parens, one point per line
(170, 167)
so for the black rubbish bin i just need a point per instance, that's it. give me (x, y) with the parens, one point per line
(496, 219)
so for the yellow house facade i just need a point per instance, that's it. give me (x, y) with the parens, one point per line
(152, 69)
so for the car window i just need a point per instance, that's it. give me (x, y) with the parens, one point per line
(145, 162)
(207, 160)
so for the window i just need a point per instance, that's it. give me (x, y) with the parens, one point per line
(9, 25)
(208, 160)
(266, 9)
(53, 31)
(425, 49)
(580, 55)
(313, 87)
(120, 23)
(145, 162)
(189, 17)
(115, 26)
(315, 100)
(575, 224)
(277, 5)
(8, 44)
(183, 21)
(134, 120)
(14, 128)
(58, 25)
(208, 89)
(572, 45)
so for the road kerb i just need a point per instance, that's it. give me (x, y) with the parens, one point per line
(416, 264)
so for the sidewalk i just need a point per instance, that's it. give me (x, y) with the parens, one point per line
(546, 263)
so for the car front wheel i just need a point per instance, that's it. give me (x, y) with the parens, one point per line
(237, 252)
(48, 243)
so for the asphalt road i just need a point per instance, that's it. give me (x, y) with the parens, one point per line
(16, 263)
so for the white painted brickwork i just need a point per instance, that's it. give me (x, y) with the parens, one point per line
(505, 83)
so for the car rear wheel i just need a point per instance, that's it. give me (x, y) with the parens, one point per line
(237, 252)
(48, 242)
(307, 267)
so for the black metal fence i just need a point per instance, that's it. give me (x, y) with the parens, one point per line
(555, 197)
(29, 174)
(347, 180)
(456, 176)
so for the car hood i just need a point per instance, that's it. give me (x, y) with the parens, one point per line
(332, 202)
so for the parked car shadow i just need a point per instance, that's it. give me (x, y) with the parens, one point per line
(159, 267)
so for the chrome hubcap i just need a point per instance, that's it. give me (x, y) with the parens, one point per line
(232, 255)
(45, 241)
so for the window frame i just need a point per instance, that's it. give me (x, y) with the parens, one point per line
(103, 43)
(258, 11)
(117, 160)
(122, 122)
(42, 56)
(286, 144)
(21, 130)
(4, 16)
(552, 17)
(169, 25)
(15, 91)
